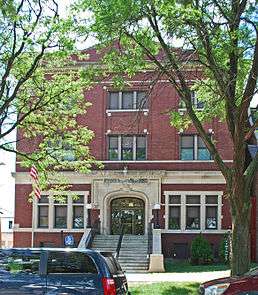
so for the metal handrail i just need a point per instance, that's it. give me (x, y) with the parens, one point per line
(94, 230)
(119, 243)
(150, 237)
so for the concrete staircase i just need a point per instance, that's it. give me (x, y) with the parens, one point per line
(106, 243)
(133, 256)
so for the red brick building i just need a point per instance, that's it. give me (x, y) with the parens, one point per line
(152, 173)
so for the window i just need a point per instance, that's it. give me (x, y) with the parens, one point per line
(187, 147)
(62, 211)
(192, 147)
(140, 148)
(196, 103)
(64, 262)
(141, 100)
(19, 261)
(127, 147)
(113, 148)
(211, 219)
(43, 205)
(61, 150)
(193, 211)
(127, 100)
(174, 212)
(203, 153)
(114, 100)
(78, 212)
(60, 214)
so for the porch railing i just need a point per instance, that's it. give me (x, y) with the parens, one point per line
(119, 243)
(150, 237)
(94, 230)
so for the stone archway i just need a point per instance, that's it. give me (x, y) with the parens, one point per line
(129, 213)
(106, 222)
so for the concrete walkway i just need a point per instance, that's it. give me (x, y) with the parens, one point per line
(149, 278)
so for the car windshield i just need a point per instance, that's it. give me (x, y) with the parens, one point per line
(20, 261)
(252, 272)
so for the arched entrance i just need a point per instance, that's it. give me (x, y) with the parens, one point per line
(130, 212)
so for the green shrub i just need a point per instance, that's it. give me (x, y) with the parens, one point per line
(224, 249)
(201, 252)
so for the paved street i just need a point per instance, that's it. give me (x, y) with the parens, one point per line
(146, 278)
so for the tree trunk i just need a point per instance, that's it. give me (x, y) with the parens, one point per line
(241, 255)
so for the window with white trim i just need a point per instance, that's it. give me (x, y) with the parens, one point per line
(43, 208)
(192, 147)
(60, 213)
(127, 100)
(61, 150)
(193, 211)
(78, 212)
(211, 212)
(126, 147)
(174, 212)
(196, 103)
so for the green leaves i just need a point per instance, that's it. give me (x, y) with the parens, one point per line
(41, 91)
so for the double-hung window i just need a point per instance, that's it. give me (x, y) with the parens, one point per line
(192, 147)
(43, 205)
(193, 207)
(126, 147)
(193, 211)
(211, 212)
(196, 103)
(78, 212)
(127, 100)
(61, 150)
(174, 213)
(60, 213)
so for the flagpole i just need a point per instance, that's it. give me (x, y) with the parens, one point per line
(33, 223)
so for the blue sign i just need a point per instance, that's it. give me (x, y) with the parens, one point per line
(69, 240)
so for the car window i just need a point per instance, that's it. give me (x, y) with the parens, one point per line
(248, 293)
(20, 261)
(252, 272)
(70, 262)
(113, 266)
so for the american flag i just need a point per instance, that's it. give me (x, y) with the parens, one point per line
(35, 177)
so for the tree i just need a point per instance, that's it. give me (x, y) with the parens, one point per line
(218, 37)
(41, 90)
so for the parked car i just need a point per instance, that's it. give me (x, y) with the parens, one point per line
(60, 272)
(242, 285)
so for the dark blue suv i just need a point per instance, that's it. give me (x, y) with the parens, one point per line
(60, 272)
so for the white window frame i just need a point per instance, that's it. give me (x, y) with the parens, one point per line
(202, 205)
(78, 205)
(195, 147)
(134, 147)
(41, 205)
(120, 103)
(51, 212)
(194, 100)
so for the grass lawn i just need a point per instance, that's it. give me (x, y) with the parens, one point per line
(174, 266)
(166, 289)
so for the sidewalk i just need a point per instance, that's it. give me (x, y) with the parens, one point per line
(146, 278)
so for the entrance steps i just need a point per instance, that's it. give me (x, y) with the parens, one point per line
(133, 256)
(106, 243)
